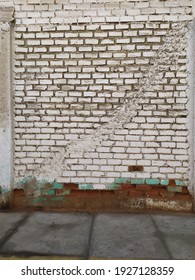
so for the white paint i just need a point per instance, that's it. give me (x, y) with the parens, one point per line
(6, 149)
(175, 42)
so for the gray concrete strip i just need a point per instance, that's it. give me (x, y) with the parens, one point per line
(8, 223)
(88, 248)
(126, 236)
(179, 234)
(162, 239)
(51, 234)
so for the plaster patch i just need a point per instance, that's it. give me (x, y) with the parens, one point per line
(168, 205)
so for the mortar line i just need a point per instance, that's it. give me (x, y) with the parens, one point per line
(161, 237)
(90, 237)
(11, 232)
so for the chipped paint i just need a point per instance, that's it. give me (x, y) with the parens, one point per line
(113, 186)
(174, 189)
(121, 180)
(66, 192)
(38, 200)
(135, 181)
(164, 182)
(181, 183)
(152, 181)
(58, 186)
(86, 187)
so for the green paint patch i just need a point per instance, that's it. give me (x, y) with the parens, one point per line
(39, 200)
(25, 181)
(113, 186)
(66, 192)
(164, 182)
(3, 190)
(181, 183)
(121, 180)
(40, 184)
(174, 189)
(49, 192)
(152, 181)
(58, 186)
(137, 181)
(57, 198)
(86, 187)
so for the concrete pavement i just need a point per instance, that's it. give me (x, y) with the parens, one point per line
(96, 236)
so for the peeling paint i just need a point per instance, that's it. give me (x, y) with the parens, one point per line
(121, 180)
(181, 183)
(152, 181)
(58, 186)
(86, 187)
(113, 186)
(137, 181)
(164, 182)
(174, 189)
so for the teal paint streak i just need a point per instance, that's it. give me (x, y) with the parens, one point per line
(49, 192)
(113, 186)
(58, 198)
(181, 183)
(121, 180)
(137, 181)
(174, 189)
(152, 181)
(164, 182)
(58, 186)
(86, 187)
(4, 190)
(39, 200)
(25, 181)
(66, 192)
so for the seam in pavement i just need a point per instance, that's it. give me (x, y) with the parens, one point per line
(160, 236)
(11, 232)
(87, 254)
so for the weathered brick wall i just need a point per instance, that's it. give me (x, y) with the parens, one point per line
(100, 88)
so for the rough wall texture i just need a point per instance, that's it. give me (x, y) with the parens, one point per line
(6, 106)
(100, 88)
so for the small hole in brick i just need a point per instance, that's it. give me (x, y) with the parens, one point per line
(136, 168)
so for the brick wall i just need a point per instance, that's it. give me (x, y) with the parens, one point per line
(100, 88)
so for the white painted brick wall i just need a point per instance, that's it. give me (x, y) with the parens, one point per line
(76, 64)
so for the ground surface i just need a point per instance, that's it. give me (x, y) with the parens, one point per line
(97, 236)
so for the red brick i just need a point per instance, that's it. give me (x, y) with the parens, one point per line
(136, 193)
(127, 187)
(182, 196)
(143, 187)
(71, 186)
(158, 187)
(136, 168)
(185, 190)
(172, 183)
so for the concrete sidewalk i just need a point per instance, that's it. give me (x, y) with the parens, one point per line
(97, 236)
